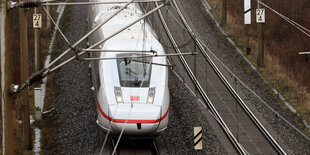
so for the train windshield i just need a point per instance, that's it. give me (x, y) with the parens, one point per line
(134, 72)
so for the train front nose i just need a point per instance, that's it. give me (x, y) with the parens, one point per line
(139, 119)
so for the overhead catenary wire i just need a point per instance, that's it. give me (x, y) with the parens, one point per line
(247, 87)
(107, 38)
(93, 3)
(205, 97)
(252, 91)
(144, 62)
(56, 26)
(229, 87)
(143, 56)
(37, 3)
(88, 34)
(120, 51)
(47, 69)
(292, 22)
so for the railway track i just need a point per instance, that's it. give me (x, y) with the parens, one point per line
(131, 147)
(243, 129)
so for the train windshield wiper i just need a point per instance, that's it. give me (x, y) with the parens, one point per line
(132, 73)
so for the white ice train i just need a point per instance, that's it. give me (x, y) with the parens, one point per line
(131, 91)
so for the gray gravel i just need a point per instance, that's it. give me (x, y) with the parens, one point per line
(75, 129)
(209, 33)
(77, 133)
(75, 126)
(185, 114)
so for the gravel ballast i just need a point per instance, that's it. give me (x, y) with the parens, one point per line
(75, 125)
(76, 131)
(205, 27)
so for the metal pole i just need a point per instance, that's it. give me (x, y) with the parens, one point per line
(48, 20)
(37, 51)
(6, 80)
(260, 53)
(24, 75)
(247, 22)
(223, 12)
(248, 49)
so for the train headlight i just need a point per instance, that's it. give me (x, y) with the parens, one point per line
(150, 96)
(118, 95)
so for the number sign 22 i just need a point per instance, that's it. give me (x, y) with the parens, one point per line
(260, 15)
(37, 20)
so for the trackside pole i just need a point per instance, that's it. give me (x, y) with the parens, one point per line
(6, 80)
(260, 31)
(37, 52)
(48, 20)
(247, 22)
(24, 69)
(223, 12)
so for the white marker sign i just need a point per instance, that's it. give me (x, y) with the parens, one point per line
(260, 15)
(37, 21)
(247, 11)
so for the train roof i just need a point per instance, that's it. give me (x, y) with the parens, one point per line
(136, 37)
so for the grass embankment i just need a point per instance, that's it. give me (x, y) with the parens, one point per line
(284, 69)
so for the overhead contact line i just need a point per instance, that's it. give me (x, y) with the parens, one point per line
(228, 86)
(49, 69)
(238, 147)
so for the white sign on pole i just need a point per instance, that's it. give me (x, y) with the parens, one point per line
(260, 15)
(37, 21)
(247, 11)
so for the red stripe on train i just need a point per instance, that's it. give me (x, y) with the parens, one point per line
(131, 120)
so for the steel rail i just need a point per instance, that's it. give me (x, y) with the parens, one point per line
(156, 151)
(228, 86)
(93, 3)
(219, 119)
